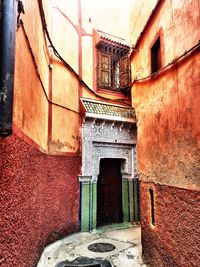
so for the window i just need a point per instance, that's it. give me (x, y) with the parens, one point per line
(113, 68)
(104, 70)
(124, 72)
(156, 56)
(152, 206)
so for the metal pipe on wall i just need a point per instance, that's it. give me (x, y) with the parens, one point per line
(8, 20)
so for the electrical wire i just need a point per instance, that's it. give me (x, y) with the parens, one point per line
(57, 54)
(38, 74)
(169, 64)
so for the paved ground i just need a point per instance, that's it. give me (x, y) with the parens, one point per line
(126, 254)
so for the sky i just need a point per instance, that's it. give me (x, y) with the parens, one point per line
(111, 16)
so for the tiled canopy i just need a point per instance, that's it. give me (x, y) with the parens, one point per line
(100, 108)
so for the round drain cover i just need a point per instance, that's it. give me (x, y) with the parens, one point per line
(101, 247)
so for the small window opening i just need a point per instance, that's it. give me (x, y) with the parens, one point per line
(113, 70)
(152, 206)
(156, 56)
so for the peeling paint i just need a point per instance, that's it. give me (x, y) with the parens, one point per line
(55, 145)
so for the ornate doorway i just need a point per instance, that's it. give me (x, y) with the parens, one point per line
(108, 134)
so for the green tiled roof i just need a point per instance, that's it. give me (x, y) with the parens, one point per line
(107, 109)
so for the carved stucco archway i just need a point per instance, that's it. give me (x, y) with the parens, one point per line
(106, 138)
(114, 151)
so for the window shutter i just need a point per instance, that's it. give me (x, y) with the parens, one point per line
(104, 70)
(124, 72)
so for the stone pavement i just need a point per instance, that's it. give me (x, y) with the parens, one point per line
(126, 254)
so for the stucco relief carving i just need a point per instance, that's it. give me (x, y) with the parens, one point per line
(108, 139)
(103, 150)
(114, 131)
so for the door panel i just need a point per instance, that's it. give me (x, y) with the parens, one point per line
(109, 192)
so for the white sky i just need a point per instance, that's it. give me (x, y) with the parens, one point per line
(111, 16)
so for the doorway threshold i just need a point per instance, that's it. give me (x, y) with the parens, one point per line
(114, 226)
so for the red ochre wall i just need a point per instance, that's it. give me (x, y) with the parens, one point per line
(169, 160)
(174, 241)
(39, 192)
(168, 114)
(40, 162)
(39, 197)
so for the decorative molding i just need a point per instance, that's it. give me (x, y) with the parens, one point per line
(103, 138)
(108, 139)
(85, 179)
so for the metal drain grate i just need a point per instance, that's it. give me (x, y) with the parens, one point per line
(101, 247)
(85, 262)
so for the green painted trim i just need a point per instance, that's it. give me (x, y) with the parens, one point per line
(131, 201)
(136, 200)
(94, 210)
(85, 205)
(89, 203)
(125, 200)
(89, 206)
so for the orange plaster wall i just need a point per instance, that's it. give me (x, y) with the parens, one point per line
(87, 63)
(65, 87)
(167, 105)
(55, 127)
(65, 37)
(65, 123)
(106, 96)
(32, 24)
(178, 27)
(167, 110)
(76, 45)
(30, 104)
(65, 131)
(109, 16)
(41, 122)
(139, 14)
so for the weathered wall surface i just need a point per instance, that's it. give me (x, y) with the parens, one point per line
(39, 199)
(40, 193)
(167, 109)
(174, 241)
(168, 23)
(139, 14)
(41, 78)
(109, 16)
(30, 104)
(39, 162)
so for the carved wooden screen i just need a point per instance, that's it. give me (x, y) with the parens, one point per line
(124, 72)
(104, 70)
(113, 69)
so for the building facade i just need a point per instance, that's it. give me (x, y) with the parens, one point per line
(70, 119)
(75, 120)
(166, 77)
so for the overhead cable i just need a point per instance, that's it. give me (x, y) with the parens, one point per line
(58, 55)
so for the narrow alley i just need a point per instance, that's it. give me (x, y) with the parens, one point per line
(100, 132)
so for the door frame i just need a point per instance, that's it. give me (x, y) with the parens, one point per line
(106, 139)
